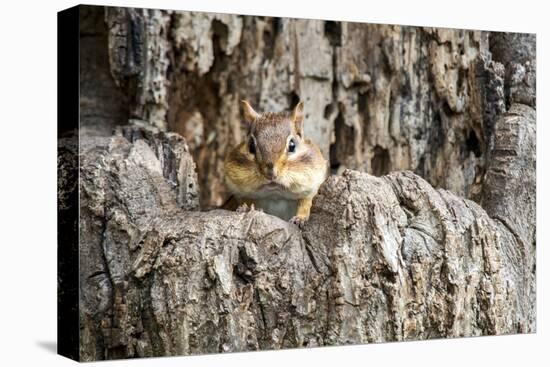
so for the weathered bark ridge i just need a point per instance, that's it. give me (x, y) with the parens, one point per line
(381, 259)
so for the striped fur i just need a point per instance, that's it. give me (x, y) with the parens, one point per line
(298, 175)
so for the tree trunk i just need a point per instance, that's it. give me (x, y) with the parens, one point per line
(381, 259)
(378, 98)
(384, 258)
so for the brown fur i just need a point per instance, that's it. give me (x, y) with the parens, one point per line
(294, 176)
(240, 158)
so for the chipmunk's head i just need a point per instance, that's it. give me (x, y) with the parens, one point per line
(275, 159)
(274, 140)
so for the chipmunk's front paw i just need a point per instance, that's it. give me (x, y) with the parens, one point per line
(243, 208)
(299, 221)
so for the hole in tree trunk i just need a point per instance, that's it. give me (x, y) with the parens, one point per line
(472, 143)
(380, 162)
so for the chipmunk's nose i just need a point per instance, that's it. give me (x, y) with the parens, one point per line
(270, 171)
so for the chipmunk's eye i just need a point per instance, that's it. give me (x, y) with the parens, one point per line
(291, 146)
(251, 146)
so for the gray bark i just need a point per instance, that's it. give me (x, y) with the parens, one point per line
(378, 98)
(384, 258)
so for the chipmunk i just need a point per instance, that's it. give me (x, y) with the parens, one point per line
(276, 169)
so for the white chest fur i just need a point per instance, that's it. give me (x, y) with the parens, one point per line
(280, 207)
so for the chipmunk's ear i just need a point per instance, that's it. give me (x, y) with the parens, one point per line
(298, 118)
(249, 114)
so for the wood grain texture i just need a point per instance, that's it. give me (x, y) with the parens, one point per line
(381, 259)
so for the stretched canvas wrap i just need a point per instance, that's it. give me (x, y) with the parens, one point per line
(404, 158)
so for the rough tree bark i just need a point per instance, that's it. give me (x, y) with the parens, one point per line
(378, 98)
(382, 258)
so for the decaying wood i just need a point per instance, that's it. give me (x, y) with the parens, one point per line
(384, 257)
